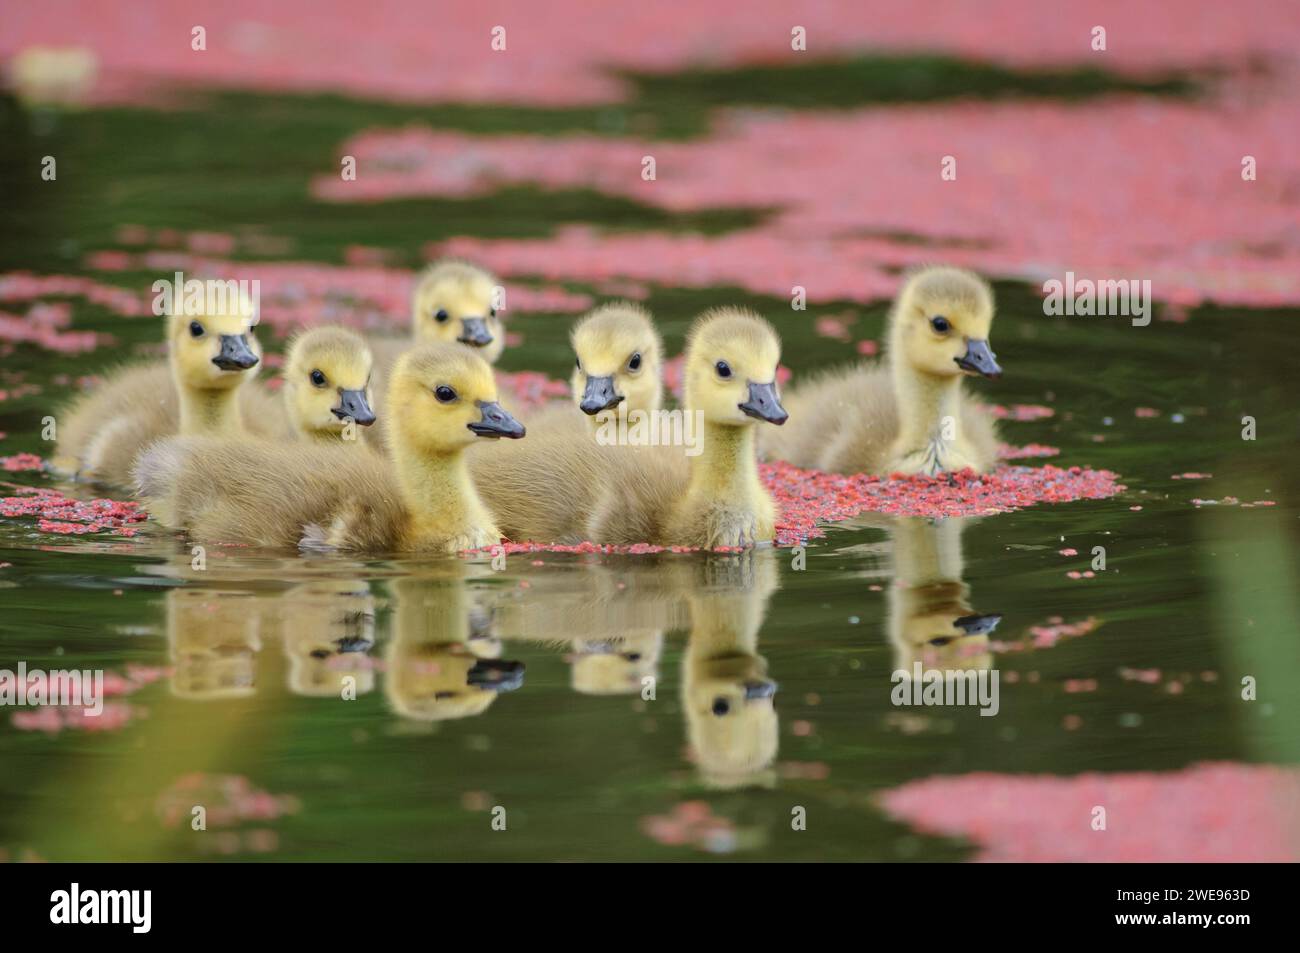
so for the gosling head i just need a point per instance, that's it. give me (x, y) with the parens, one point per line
(327, 382)
(444, 398)
(619, 360)
(934, 624)
(213, 351)
(940, 324)
(730, 373)
(731, 719)
(452, 301)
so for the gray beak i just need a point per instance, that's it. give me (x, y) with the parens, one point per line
(480, 623)
(978, 359)
(496, 422)
(496, 675)
(761, 688)
(599, 395)
(353, 404)
(474, 332)
(764, 404)
(977, 624)
(235, 354)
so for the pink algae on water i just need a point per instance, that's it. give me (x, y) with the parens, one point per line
(63, 515)
(1212, 812)
(22, 462)
(806, 498)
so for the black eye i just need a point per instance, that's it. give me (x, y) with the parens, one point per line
(196, 329)
(635, 363)
(721, 706)
(578, 364)
(723, 368)
(940, 324)
(441, 315)
(444, 393)
(318, 378)
(492, 312)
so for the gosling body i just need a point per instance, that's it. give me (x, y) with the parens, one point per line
(909, 414)
(327, 496)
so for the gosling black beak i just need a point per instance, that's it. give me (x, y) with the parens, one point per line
(353, 643)
(474, 332)
(978, 359)
(599, 395)
(760, 688)
(496, 675)
(235, 354)
(977, 624)
(496, 422)
(764, 404)
(353, 403)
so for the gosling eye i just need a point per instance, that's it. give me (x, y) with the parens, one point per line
(444, 393)
(441, 315)
(721, 706)
(940, 324)
(318, 378)
(723, 369)
(196, 329)
(578, 363)
(492, 312)
(634, 364)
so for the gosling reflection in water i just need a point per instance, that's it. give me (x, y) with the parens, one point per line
(727, 696)
(328, 629)
(213, 637)
(443, 657)
(930, 616)
(326, 626)
(610, 620)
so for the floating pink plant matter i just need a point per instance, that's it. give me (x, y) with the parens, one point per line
(45, 325)
(693, 824)
(1029, 451)
(56, 513)
(230, 800)
(567, 52)
(24, 286)
(296, 294)
(1019, 412)
(829, 231)
(20, 462)
(806, 497)
(530, 389)
(1227, 813)
(53, 719)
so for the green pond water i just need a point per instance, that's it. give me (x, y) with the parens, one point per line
(582, 764)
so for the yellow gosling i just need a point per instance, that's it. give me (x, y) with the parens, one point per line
(198, 390)
(327, 384)
(619, 361)
(909, 415)
(319, 495)
(568, 486)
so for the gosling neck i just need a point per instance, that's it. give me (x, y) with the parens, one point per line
(438, 492)
(209, 412)
(727, 465)
(924, 400)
